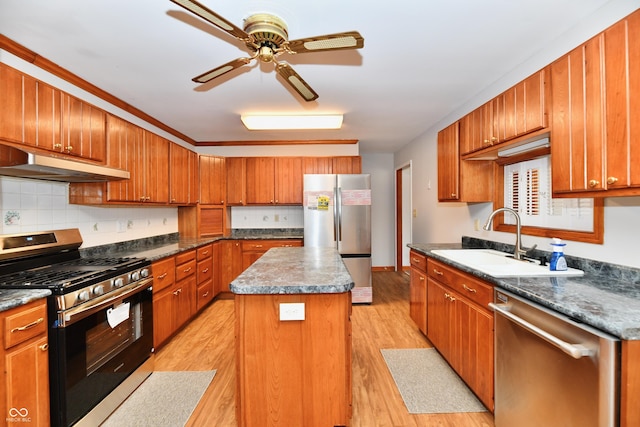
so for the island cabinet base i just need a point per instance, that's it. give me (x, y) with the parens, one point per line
(293, 372)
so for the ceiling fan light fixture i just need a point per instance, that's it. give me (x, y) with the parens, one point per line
(292, 122)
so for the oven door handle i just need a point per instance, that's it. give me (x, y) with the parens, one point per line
(577, 351)
(79, 312)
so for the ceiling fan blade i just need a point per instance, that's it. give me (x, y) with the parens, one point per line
(223, 69)
(348, 40)
(208, 15)
(296, 81)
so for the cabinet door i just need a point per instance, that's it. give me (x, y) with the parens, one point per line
(163, 325)
(155, 159)
(230, 263)
(123, 142)
(532, 105)
(48, 121)
(288, 180)
(260, 180)
(11, 124)
(448, 164)
(184, 305)
(27, 380)
(236, 180)
(622, 88)
(178, 174)
(83, 129)
(577, 133)
(347, 164)
(418, 299)
(213, 181)
(440, 329)
(317, 165)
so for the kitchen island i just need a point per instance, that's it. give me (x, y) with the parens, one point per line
(293, 339)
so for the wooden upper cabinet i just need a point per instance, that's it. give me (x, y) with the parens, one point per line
(11, 123)
(236, 168)
(577, 133)
(213, 182)
(347, 164)
(518, 111)
(288, 180)
(154, 181)
(260, 180)
(83, 129)
(317, 165)
(123, 140)
(622, 104)
(183, 172)
(448, 164)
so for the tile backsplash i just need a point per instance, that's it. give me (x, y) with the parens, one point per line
(33, 205)
(267, 217)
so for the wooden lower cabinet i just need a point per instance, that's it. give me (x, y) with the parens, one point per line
(460, 326)
(174, 302)
(418, 290)
(231, 265)
(252, 250)
(293, 373)
(24, 397)
(204, 275)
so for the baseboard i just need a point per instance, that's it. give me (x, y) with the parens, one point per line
(388, 268)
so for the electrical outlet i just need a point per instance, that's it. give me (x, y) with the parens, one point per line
(415, 213)
(476, 224)
(292, 311)
(121, 226)
(276, 218)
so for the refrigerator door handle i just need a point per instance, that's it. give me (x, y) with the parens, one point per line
(338, 205)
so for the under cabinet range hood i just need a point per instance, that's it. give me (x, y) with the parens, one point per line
(22, 164)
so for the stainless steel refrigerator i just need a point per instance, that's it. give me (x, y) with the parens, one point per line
(337, 213)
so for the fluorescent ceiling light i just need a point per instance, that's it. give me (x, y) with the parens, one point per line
(265, 122)
(544, 142)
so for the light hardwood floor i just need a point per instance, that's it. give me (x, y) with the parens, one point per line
(207, 343)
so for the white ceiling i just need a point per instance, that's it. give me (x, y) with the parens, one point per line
(421, 60)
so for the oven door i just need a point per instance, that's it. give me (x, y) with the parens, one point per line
(96, 347)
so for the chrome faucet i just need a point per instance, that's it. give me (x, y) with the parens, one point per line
(518, 252)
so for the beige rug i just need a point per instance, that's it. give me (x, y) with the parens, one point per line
(164, 399)
(427, 383)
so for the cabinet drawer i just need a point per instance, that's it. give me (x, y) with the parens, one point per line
(205, 270)
(183, 257)
(164, 273)
(470, 287)
(185, 269)
(204, 252)
(204, 295)
(418, 261)
(25, 323)
(265, 245)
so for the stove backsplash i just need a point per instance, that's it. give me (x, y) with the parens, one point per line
(33, 205)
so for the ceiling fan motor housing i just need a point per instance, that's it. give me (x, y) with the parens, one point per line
(268, 31)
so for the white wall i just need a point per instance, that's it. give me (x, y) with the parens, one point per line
(380, 166)
(448, 222)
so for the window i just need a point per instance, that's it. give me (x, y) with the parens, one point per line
(527, 189)
(524, 184)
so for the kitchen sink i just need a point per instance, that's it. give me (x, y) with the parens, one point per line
(501, 264)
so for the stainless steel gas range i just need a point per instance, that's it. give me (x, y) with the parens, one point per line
(100, 320)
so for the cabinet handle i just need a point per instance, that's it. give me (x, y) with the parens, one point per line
(69, 148)
(57, 146)
(186, 270)
(28, 326)
(258, 246)
(416, 260)
(449, 297)
(206, 294)
(205, 253)
(494, 139)
(162, 276)
(205, 270)
(177, 292)
(594, 183)
(466, 288)
(454, 195)
(44, 347)
(439, 273)
(421, 278)
(612, 180)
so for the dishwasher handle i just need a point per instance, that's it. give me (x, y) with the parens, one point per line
(577, 351)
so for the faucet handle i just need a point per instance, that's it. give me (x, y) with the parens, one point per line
(528, 251)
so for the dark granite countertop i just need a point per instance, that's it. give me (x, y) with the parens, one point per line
(607, 297)
(10, 298)
(296, 270)
(152, 248)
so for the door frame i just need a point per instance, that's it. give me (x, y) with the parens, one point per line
(399, 212)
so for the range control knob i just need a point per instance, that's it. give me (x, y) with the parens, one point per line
(83, 295)
(98, 290)
(135, 276)
(118, 282)
(144, 272)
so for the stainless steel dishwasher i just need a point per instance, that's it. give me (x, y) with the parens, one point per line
(551, 370)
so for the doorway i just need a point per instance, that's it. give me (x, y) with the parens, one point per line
(403, 216)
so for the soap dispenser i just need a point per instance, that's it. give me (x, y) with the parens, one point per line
(558, 261)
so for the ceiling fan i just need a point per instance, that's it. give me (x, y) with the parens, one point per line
(266, 37)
